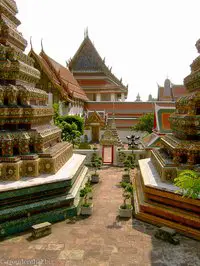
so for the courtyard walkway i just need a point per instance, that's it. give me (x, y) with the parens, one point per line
(101, 239)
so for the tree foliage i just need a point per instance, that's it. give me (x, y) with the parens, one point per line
(127, 193)
(96, 162)
(84, 193)
(79, 121)
(189, 183)
(70, 132)
(145, 123)
(72, 126)
(129, 163)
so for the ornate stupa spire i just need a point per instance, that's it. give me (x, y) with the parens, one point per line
(138, 98)
(23, 107)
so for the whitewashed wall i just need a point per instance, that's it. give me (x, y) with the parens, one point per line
(88, 154)
(139, 154)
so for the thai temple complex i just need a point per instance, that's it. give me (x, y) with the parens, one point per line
(41, 176)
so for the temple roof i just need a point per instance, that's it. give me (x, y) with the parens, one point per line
(60, 76)
(170, 91)
(88, 60)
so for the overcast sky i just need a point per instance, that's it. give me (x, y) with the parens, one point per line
(143, 40)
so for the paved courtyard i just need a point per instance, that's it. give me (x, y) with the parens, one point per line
(101, 239)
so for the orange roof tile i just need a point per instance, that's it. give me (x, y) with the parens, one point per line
(65, 77)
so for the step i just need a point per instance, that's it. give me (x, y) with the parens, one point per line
(150, 216)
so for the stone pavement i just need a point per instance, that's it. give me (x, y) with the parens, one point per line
(101, 239)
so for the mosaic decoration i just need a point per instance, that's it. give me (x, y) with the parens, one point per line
(181, 150)
(29, 143)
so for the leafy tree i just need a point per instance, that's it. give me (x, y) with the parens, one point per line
(96, 162)
(79, 121)
(129, 163)
(145, 123)
(127, 194)
(70, 133)
(189, 183)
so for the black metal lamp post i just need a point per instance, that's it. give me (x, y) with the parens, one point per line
(132, 141)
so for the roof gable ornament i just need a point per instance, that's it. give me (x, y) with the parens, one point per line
(86, 33)
(138, 98)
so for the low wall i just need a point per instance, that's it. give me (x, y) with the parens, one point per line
(139, 154)
(88, 154)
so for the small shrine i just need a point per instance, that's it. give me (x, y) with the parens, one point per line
(40, 177)
(156, 198)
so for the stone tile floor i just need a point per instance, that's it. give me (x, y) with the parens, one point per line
(102, 239)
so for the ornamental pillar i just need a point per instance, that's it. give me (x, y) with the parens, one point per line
(112, 97)
(24, 144)
(122, 97)
(7, 146)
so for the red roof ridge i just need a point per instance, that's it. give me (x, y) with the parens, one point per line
(65, 77)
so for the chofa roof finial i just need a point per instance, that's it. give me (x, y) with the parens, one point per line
(31, 43)
(86, 33)
(42, 45)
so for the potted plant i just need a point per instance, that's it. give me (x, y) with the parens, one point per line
(86, 207)
(129, 164)
(96, 163)
(125, 210)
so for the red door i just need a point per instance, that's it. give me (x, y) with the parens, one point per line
(107, 154)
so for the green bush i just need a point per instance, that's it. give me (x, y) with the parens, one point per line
(96, 162)
(189, 183)
(145, 123)
(84, 193)
(84, 146)
(129, 163)
(79, 121)
(127, 194)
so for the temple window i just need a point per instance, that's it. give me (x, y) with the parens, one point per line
(31, 148)
(18, 100)
(15, 151)
(105, 97)
(33, 102)
(5, 100)
(183, 158)
(198, 111)
(24, 126)
(11, 127)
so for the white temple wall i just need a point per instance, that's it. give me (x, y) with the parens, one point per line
(88, 154)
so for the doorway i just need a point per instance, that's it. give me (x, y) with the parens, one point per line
(95, 133)
(107, 154)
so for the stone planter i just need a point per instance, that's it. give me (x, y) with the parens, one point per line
(126, 178)
(95, 178)
(125, 213)
(87, 210)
